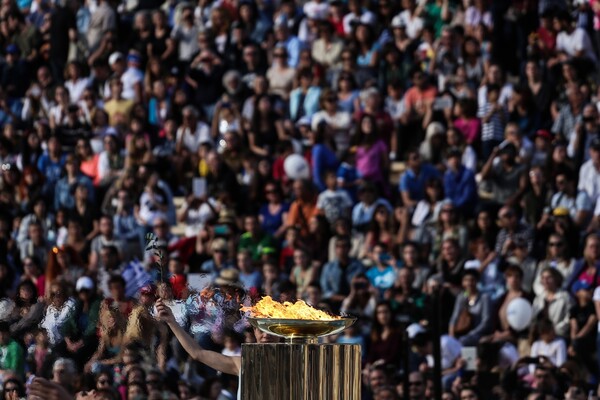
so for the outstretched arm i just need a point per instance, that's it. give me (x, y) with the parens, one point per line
(225, 364)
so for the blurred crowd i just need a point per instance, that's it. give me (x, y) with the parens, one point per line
(419, 164)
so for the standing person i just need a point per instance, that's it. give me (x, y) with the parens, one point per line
(226, 364)
(102, 20)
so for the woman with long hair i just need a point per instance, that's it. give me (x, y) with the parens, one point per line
(13, 389)
(112, 326)
(347, 93)
(88, 161)
(381, 230)
(59, 112)
(28, 311)
(366, 47)
(385, 336)
(266, 128)
(162, 46)
(155, 72)
(220, 20)
(30, 187)
(372, 160)
(273, 213)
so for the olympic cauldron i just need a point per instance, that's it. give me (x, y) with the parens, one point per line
(300, 368)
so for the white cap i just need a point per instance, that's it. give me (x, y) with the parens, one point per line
(114, 57)
(398, 22)
(414, 329)
(84, 282)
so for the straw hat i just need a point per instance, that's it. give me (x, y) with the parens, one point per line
(229, 277)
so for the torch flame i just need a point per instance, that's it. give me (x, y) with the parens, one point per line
(269, 308)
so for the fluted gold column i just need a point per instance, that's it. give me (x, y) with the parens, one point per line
(278, 371)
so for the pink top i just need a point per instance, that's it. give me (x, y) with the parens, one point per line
(470, 128)
(368, 160)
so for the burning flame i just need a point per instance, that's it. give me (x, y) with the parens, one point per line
(269, 308)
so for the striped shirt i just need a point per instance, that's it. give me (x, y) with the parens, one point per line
(494, 128)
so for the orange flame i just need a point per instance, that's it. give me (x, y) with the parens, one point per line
(269, 308)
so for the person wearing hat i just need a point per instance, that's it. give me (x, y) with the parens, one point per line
(459, 183)
(582, 316)
(80, 329)
(133, 77)
(574, 202)
(14, 78)
(229, 277)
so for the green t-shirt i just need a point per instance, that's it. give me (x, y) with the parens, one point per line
(12, 357)
(257, 246)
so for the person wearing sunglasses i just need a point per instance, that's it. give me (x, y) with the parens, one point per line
(59, 308)
(13, 389)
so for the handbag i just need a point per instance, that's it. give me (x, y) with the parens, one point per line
(463, 322)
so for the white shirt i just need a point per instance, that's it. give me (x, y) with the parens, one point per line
(505, 95)
(367, 17)
(556, 351)
(193, 140)
(55, 318)
(589, 180)
(197, 218)
(76, 88)
(596, 298)
(574, 42)
(414, 25)
(129, 79)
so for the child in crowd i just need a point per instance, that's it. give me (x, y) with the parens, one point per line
(549, 344)
(493, 116)
(232, 344)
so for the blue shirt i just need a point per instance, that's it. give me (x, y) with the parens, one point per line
(461, 188)
(251, 280)
(382, 280)
(323, 159)
(51, 170)
(335, 280)
(293, 47)
(348, 173)
(414, 184)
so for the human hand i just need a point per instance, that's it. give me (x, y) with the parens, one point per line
(41, 388)
(164, 313)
